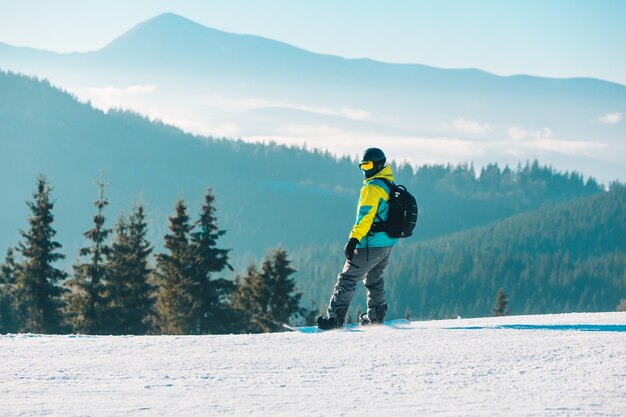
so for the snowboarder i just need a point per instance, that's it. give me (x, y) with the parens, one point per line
(368, 248)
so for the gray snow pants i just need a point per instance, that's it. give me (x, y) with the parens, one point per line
(364, 267)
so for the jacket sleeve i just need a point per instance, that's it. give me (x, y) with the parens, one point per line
(366, 209)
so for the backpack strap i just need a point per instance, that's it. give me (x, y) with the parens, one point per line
(390, 185)
(380, 225)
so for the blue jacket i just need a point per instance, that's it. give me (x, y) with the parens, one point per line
(373, 201)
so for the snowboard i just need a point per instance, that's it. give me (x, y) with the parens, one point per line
(352, 327)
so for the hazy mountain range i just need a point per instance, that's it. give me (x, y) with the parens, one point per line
(228, 85)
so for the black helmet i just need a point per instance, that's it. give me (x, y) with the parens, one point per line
(372, 161)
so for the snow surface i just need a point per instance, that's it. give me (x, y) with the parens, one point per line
(464, 367)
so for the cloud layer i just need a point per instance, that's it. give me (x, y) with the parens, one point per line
(470, 126)
(610, 118)
(346, 130)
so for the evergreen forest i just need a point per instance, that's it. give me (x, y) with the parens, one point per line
(196, 235)
(567, 257)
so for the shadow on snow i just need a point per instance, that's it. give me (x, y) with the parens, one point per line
(575, 327)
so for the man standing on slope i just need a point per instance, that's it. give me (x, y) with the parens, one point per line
(368, 248)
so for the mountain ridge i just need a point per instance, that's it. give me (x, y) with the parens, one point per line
(166, 20)
(208, 81)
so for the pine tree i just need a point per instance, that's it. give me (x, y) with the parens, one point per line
(250, 299)
(129, 292)
(407, 313)
(8, 323)
(117, 267)
(284, 299)
(87, 304)
(501, 302)
(141, 295)
(269, 297)
(178, 309)
(38, 295)
(215, 314)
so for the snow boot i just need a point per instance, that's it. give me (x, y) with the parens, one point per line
(375, 315)
(329, 323)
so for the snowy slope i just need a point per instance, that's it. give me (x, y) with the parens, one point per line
(538, 365)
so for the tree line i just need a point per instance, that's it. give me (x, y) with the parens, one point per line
(115, 288)
(41, 123)
(569, 257)
(565, 257)
(72, 142)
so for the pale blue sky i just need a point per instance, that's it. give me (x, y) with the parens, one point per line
(554, 38)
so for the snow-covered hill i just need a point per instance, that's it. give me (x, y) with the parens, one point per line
(572, 364)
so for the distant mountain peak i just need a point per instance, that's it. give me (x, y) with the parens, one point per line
(171, 35)
(169, 18)
(164, 28)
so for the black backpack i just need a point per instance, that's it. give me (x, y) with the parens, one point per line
(402, 215)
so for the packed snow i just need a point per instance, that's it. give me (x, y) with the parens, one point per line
(554, 365)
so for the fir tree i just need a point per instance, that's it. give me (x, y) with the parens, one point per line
(38, 294)
(8, 323)
(87, 304)
(284, 300)
(250, 299)
(141, 295)
(407, 313)
(178, 307)
(270, 296)
(117, 267)
(129, 291)
(215, 314)
(501, 303)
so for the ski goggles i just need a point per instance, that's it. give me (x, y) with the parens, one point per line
(366, 165)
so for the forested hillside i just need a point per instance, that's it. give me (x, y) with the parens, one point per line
(569, 257)
(208, 80)
(268, 195)
(265, 194)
